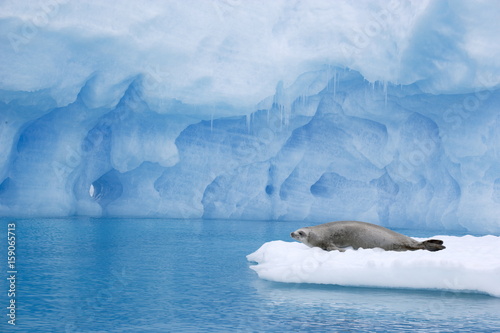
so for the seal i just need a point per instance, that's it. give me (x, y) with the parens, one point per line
(343, 234)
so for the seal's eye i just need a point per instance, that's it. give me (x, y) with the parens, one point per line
(301, 233)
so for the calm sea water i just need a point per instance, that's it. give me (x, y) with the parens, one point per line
(142, 275)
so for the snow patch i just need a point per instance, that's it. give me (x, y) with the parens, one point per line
(468, 264)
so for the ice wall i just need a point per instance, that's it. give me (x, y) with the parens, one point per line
(354, 150)
(234, 51)
(378, 111)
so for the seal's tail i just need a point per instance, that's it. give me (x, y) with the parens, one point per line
(433, 245)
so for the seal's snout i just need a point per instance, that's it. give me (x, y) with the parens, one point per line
(298, 235)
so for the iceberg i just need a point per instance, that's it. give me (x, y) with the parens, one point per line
(316, 111)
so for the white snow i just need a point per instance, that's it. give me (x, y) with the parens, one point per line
(468, 264)
(236, 51)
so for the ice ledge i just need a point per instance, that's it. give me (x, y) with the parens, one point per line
(469, 264)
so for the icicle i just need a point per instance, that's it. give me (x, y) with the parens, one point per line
(334, 83)
(248, 119)
(385, 92)
(288, 110)
(281, 116)
(211, 121)
(280, 102)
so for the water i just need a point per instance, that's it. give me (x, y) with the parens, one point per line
(143, 275)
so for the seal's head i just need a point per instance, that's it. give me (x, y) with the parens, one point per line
(302, 235)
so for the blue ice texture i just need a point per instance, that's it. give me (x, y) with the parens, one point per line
(388, 114)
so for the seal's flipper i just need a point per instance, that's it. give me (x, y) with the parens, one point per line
(433, 245)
